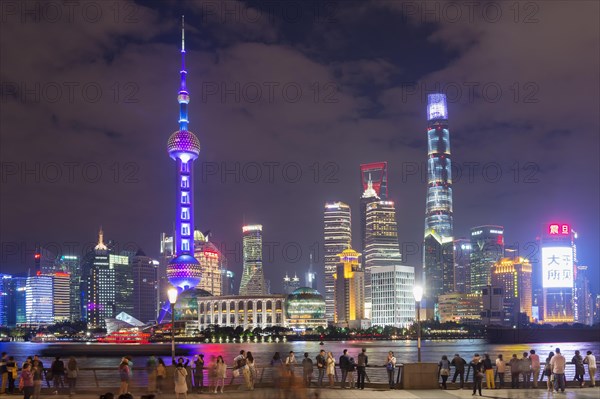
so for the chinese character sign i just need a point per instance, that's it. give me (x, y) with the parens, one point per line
(559, 229)
(557, 267)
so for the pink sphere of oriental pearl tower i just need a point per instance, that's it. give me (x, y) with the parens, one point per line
(184, 271)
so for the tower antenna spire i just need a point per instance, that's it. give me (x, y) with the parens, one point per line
(183, 97)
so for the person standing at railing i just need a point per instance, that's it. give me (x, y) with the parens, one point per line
(321, 366)
(241, 366)
(307, 370)
(11, 367)
(515, 368)
(477, 366)
(390, 367)
(500, 370)
(344, 363)
(558, 363)
(221, 371)
(548, 371)
(351, 371)
(525, 365)
(590, 360)
(26, 381)
(161, 374)
(459, 369)
(180, 376)
(198, 363)
(58, 372)
(278, 371)
(252, 369)
(151, 371)
(72, 372)
(579, 368)
(290, 364)
(124, 375)
(444, 366)
(330, 369)
(38, 375)
(489, 371)
(535, 367)
(363, 361)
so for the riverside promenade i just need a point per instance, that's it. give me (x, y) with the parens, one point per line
(337, 393)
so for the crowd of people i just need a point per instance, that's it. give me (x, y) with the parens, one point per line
(525, 371)
(289, 371)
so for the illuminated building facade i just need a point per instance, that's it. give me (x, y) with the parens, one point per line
(61, 284)
(6, 292)
(184, 271)
(337, 237)
(71, 264)
(393, 300)
(584, 304)
(349, 290)
(487, 248)
(462, 267)
(100, 285)
(305, 309)
(13, 300)
(144, 299)
(213, 263)
(559, 259)
(246, 311)
(514, 276)
(227, 282)
(253, 279)
(39, 309)
(381, 243)
(373, 179)
(290, 284)
(124, 284)
(460, 308)
(438, 259)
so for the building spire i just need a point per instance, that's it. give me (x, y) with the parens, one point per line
(100, 246)
(183, 98)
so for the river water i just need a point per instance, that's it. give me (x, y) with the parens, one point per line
(93, 355)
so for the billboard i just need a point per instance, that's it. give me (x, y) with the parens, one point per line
(557, 267)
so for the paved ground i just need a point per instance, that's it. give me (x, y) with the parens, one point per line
(584, 393)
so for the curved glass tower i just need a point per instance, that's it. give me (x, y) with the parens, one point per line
(183, 146)
(438, 254)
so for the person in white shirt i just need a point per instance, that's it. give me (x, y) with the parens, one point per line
(590, 360)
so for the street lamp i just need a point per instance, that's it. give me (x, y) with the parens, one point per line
(172, 294)
(418, 294)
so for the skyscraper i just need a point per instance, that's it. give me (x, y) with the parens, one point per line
(487, 248)
(311, 276)
(253, 279)
(337, 236)
(39, 307)
(184, 271)
(559, 259)
(71, 264)
(373, 179)
(100, 281)
(145, 287)
(5, 296)
(584, 304)
(61, 298)
(123, 282)
(212, 261)
(513, 275)
(438, 259)
(381, 243)
(393, 300)
(462, 269)
(349, 290)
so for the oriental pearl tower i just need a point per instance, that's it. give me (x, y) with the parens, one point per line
(184, 271)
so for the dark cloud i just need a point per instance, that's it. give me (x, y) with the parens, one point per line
(363, 73)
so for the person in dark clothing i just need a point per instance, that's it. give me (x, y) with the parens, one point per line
(321, 366)
(344, 363)
(579, 368)
(478, 370)
(363, 361)
(459, 369)
(199, 373)
(58, 372)
(11, 366)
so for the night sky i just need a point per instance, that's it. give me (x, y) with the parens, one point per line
(301, 93)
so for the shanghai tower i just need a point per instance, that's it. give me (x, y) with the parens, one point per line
(438, 254)
(184, 270)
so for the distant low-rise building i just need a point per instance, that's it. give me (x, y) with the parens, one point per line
(460, 308)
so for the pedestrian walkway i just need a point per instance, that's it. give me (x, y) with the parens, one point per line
(336, 393)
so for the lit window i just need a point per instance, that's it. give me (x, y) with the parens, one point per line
(185, 229)
(185, 167)
(185, 182)
(185, 245)
(185, 213)
(185, 197)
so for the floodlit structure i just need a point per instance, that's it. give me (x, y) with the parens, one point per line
(253, 279)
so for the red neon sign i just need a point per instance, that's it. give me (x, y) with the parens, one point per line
(559, 229)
